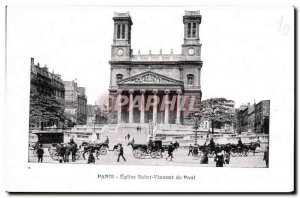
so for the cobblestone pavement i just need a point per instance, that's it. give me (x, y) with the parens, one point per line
(180, 159)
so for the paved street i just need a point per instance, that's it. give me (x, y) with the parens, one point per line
(181, 159)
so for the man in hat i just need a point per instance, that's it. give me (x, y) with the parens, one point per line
(266, 156)
(170, 151)
(190, 150)
(40, 153)
(121, 153)
(68, 149)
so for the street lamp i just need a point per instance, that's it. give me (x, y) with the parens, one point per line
(150, 128)
(196, 127)
(196, 132)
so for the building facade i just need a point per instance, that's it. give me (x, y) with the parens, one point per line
(254, 118)
(262, 115)
(168, 82)
(44, 82)
(97, 114)
(75, 102)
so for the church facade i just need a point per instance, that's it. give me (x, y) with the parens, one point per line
(154, 88)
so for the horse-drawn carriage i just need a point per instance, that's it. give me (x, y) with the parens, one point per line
(54, 152)
(155, 150)
(97, 148)
(233, 149)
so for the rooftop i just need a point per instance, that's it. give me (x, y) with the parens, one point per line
(191, 13)
(124, 14)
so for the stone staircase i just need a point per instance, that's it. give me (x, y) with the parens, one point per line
(117, 133)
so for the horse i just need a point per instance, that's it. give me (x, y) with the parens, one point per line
(137, 146)
(175, 145)
(94, 147)
(252, 147)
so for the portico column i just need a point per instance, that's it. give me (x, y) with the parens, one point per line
(131, 106)
(155, 107)
(178, 107)
(142, 118)
(119, 106)
(167, 106)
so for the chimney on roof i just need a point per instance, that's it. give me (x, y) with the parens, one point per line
(32, 61)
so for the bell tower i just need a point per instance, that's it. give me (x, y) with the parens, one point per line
(191, 48)
(121, 48)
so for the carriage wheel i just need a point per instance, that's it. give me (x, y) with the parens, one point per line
(54, 156)
(85, 155)
(51, 150)
(103, 151)
(245, 153)
(137, 153)
(78, 155)
(154, 154)
(116, 151)
(34, 152)
(233, 152)
(240, 153)
(143, 154)
(200, 154)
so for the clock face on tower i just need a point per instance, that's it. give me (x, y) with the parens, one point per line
(191, 51)
(120, 52)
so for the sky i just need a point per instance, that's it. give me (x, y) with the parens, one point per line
(247, 53)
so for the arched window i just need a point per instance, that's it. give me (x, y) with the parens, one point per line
(190, 79)
(119, 77)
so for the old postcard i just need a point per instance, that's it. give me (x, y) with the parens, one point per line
(121, 97)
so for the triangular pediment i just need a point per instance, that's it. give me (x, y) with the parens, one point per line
(149, 77)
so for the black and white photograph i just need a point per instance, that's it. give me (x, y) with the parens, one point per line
(141, 93)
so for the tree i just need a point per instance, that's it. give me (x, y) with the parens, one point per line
(69, 119)
(45, 109)
(215, 110)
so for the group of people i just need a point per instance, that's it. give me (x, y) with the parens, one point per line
(65, 150)
(138, 128)
(194, 149)
(91, 158)
(221, 157)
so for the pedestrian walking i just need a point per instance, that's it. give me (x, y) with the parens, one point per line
(190, 150)
(74, 151)
(266, 156)
(128, 136)
(212, 145)
(68, 149)
(170, 152)
(40, 153)
(195, 150)
(107, 142)
(227, 157)
(121, 153)
(219, 159)
(204, 159)
(125, 137)
(91, 158)
(61, 153)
